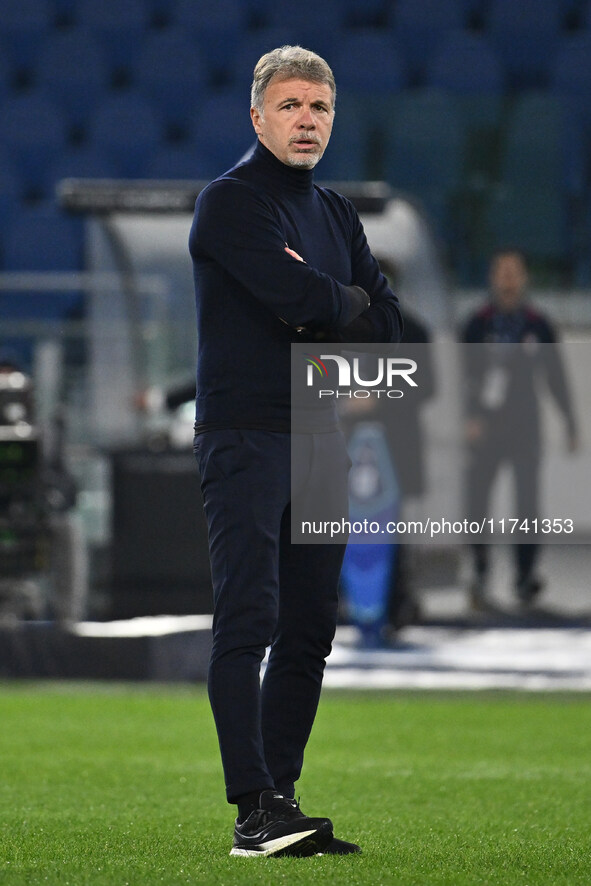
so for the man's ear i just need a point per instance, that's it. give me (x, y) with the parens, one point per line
(256, 118)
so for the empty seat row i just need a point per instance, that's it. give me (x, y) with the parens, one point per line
(174, 71)
(423, 137)
(525, 35)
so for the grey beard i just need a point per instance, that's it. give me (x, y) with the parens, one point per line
(304, 161)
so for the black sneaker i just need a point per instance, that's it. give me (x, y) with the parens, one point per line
(340, 847)
(280, 828)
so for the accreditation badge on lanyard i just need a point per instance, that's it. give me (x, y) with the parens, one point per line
(494, 387)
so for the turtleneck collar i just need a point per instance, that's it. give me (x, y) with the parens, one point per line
(292, 178)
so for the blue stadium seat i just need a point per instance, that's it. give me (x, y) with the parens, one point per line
(82, 161)
(230, 14)
(525, 34)
(170, 70)
(33, 133)
(252, 46)
(44, 239)
(316, 26)
(364, 13)
(543, 146)
(426, 141)
(574, 7)
(118, 25)
(9, 174)
(9, 195)
(217, 30)
(582, 248)
(419, 25)
(65, 11)
(584, 9)
(23, 26)
(71, 70)
(160, 13)
(466, 65)
(531, 219)
(41, 239)
(473, 8)
(346, 158)
(126, 128)
(5, 73)
(426, 149)
(571, 72)
(176, 162)
(223, 131)
(369, 62)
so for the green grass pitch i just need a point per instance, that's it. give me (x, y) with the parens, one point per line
(119, 784)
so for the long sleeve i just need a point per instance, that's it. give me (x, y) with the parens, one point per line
(254, 299)
(238, 228)
(384, 317)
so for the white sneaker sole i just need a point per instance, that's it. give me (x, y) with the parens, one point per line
(272, 847)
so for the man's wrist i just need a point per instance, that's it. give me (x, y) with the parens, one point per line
(358, 302)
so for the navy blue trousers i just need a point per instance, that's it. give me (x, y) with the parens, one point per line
(268, 592)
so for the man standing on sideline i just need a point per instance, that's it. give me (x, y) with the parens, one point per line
(276, 260)
(503, 421)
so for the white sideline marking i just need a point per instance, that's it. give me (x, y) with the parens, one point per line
(446, 658)
(427, 657)
(143, 626)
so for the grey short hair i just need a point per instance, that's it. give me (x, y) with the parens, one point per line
(287, 62)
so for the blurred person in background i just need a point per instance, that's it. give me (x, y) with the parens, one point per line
(503, 412)
(276, 260)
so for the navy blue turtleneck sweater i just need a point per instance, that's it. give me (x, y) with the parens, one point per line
(252, 296)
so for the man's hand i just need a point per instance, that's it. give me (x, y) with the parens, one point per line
(293, 253)
(360, 302)
(298, 329)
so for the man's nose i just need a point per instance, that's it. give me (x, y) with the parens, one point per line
(306, 120)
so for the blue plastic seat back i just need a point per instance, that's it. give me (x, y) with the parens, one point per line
(419, 25)
(544, 145)
(253, 45)
(570, 74)
(530, 219)
(346, 157)
(23, 27)
(371, 62)
(526, 35)
(73, 72)
(40, 240)
(176, 161)
(426, 142)
(223, 132)
(127, 129)
(119, 26)
(170, 69)
(466, 64)
(33, 132)
(217, 28)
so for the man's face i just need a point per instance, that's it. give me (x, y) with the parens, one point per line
(296, 121)
(508, 280)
